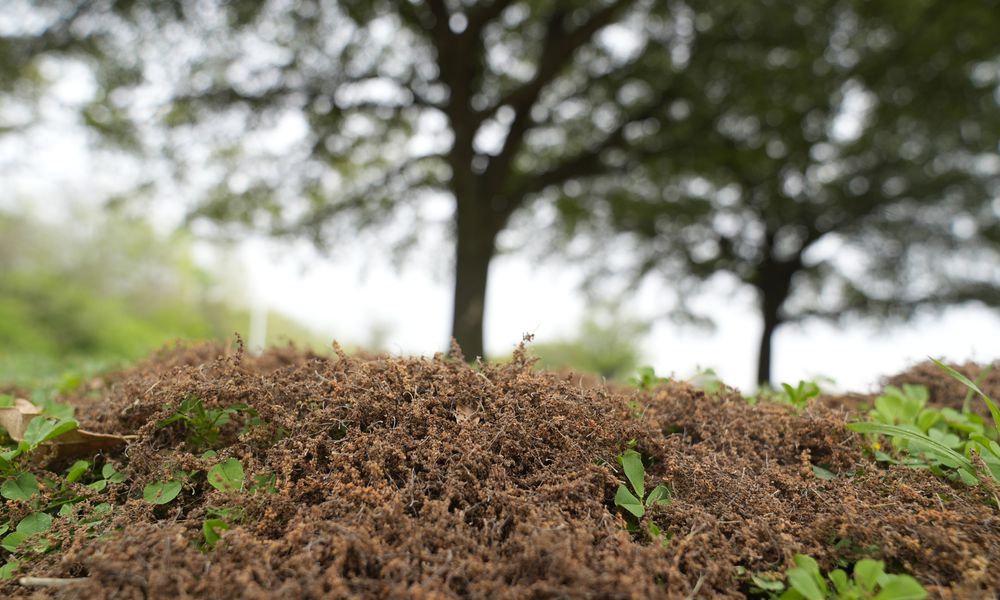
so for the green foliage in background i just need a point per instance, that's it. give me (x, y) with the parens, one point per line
(797, 396)
(98, 290)
(110, 288)
(607, 344)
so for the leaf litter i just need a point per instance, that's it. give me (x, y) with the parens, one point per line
(14, 420)
(381, 477)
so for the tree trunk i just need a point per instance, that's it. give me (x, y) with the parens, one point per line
(773, 281)
(475, 236)
(769, 311)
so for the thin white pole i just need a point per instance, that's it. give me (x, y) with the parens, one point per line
(258, 327)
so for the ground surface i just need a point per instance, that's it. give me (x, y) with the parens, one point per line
(430, 478)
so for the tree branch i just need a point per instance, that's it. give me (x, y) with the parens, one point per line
(434, 24)
(53, 38)
(481, 15)
(408, 12)
(588, 162)
(440, 12)
(227, 96)
(316, 218)
(557, 52)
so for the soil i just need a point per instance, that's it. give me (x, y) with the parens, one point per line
(431, 478)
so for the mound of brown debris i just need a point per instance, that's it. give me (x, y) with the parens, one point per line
(399, 477)
(945, 391)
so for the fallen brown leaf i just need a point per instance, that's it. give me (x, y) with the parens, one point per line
(79, 442)
(466, 414)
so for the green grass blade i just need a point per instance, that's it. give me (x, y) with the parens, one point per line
(972, 386)
(894, 431)
(983, 374)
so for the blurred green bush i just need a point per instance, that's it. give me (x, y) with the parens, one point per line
(99, 289)
(607, 344)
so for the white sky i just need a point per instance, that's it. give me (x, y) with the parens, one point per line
(524, 297)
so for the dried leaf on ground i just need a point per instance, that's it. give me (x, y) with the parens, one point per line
(78, 442)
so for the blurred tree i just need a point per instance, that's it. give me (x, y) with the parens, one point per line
(839, 158)
(379, 106)
(32, 34)
(729, 136)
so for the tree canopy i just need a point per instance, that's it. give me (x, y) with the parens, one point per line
(728, 136)
(847, 163)
(486, 104)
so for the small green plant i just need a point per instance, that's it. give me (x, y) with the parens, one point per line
(635, 472)
(903, 405)
(88, 521)
(30, 525)
(265, 483)
(942, 440)
(988, 448)
(109, 475)
(634, 502)
(822, 473)
(658, 535)
(227, 476)
(645, 378)
(203, 425)
(96, 515)
(77, 470)
(800, 395)
(706, 380)
(25, 543)
(212, 531)
(38, 431)
(63, 495)
(219, 520)
(162, 492)
(9, 569)
(869, 580)
(848, 551)
(635, 408)
(21, 488)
